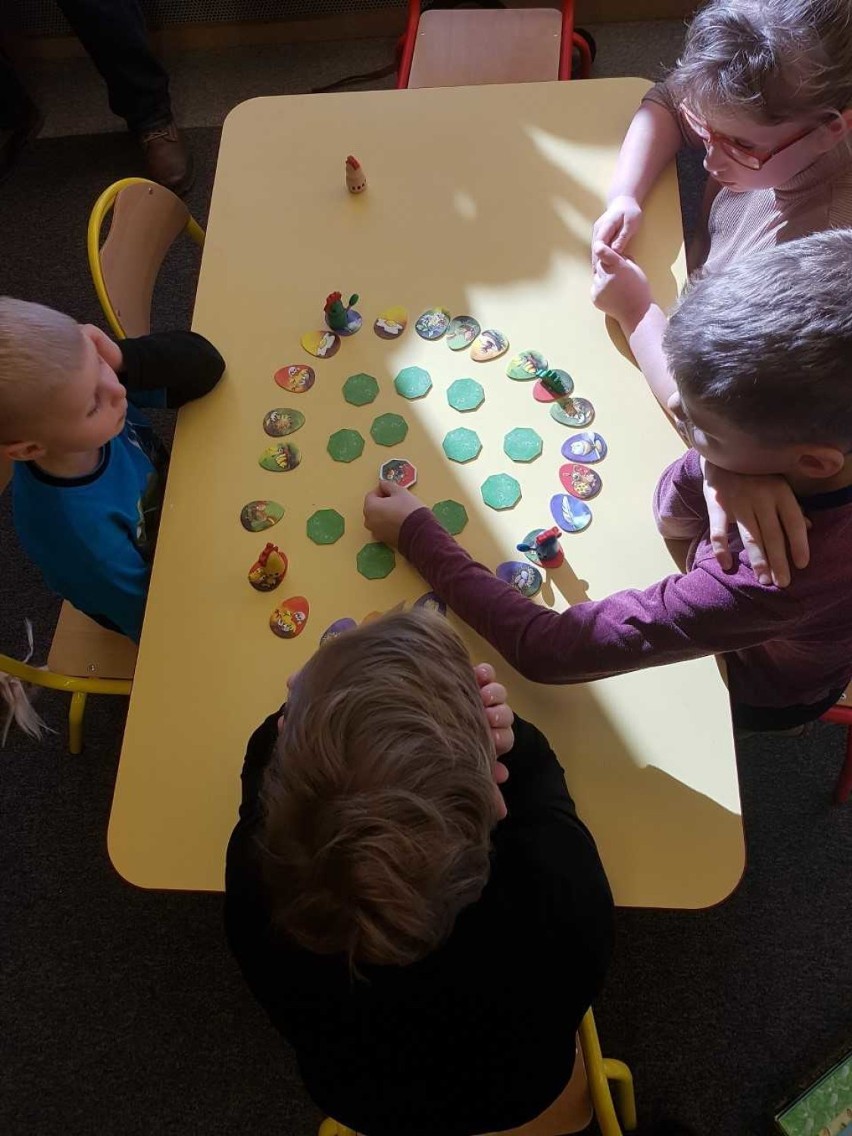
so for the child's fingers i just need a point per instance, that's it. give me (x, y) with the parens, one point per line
(485, 673)
(796, 527)
(493, 694)
(764, 549)
(500, 717)
(606, 256)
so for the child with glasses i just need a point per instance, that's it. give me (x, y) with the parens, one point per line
(765, 87)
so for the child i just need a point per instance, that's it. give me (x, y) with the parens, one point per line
(89, 472)
(766, 87)
(427, 943)
(762, 357)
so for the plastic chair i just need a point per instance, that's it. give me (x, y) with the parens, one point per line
(84, 659)
(587, 1092)
(467, 47)
(146, 221)
(841, 715)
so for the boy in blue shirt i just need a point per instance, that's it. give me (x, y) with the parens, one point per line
(89, 471)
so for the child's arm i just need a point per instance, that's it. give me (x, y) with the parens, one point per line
(182, 363)
(620, 288)
(652, 140)
(682, 617)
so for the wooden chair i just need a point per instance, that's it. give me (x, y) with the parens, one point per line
(586, 1094)
(146, 221)
(841, 715)
(468, 47)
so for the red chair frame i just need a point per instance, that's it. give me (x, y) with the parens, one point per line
(842, 716)
(570, 40)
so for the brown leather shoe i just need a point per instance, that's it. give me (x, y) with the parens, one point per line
(167, 159)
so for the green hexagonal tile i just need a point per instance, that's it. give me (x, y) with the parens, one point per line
(500, 491)
(375, 561)
(325, 526)
(522, 444)
(462, 445)
(450, 515)
(360, 389)
(388, 429)
(412, 382)
(345, 445)
(465, 394)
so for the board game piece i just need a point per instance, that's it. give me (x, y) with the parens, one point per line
(342, 318)
(586, 447)
(388, 430)
(522, 444)
(360, 389)
(432, 602)
(356, 180)
(322, 344)
(280, 458)
(412, 382)
(432, 323)
(400, 471)
(552, 385)
(257, 516)
(391, 323)
(500, 491)
(465, 394)
(325, 526)
(462, 332)
(462, 445)
(269, 569)
(281, 421)
(345, 445)
(489, 344)
(541, 546)
(337, 628)
(451, 516)
(580, 481)
(290, 617)
(526, 365)
(296, 378)
(375, 561)
(524, 578)
(572, 412)
(570, 514)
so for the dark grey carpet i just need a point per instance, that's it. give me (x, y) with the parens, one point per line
(120, 1010)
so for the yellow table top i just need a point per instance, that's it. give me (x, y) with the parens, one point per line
(479, 199)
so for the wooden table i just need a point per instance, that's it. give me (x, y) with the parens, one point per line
(479, 199)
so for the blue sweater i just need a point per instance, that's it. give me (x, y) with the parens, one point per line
(93, 537)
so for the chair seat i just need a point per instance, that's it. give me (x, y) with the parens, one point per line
(83, 649)
(471, 47)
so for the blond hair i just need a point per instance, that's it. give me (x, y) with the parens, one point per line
(39, 348)
(379, 799)
(771, 61)
(767, 344)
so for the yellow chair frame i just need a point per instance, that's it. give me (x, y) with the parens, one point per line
(135, 264)
(79, 689)
(613, 1117)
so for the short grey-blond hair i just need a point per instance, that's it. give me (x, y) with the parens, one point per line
(39, 349)
(767, 344)
(769, 60)
(379, 799)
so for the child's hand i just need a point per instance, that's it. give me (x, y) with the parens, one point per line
(617, 225)
(768, 516)
(107, 348)
(385, 508)
(620, 288)
(497, 710)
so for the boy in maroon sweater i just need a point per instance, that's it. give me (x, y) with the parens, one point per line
(762, 357)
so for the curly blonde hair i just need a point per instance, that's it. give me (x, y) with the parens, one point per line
(379, 800)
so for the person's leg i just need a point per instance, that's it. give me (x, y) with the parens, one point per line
(113, 32)
(19, 116)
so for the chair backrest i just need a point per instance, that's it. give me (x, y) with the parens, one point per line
(146, 221)
(84, 649)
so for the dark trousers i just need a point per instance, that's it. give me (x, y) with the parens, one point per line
(113, 33)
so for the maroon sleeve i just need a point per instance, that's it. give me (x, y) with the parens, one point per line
(679, 507)
(706, 611)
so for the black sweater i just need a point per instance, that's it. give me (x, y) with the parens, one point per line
(480, 1034)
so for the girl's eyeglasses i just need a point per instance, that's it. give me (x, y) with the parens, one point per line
(750, 159)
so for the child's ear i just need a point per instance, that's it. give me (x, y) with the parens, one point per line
(820, 461)
(837, 127)
(22, 451)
